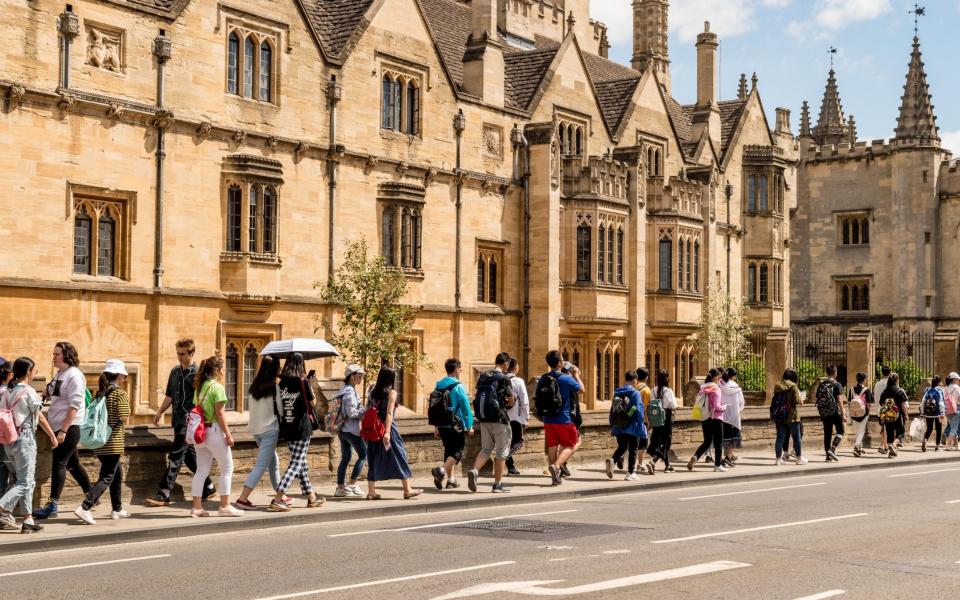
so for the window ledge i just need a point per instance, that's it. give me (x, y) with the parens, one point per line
(409, 273)
(390, 134)
(762, 213)
(265, 103)
(602, 286)
(681, 294)
(97, 278)
(852, 246)
(253, 257)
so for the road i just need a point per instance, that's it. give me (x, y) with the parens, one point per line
(870, 534)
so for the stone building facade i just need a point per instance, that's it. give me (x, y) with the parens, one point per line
(877, 223)
(192, 168)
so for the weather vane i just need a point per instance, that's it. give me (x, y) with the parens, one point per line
(917, 12)
(832, 52)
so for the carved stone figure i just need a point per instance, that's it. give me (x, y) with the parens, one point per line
(103, 50)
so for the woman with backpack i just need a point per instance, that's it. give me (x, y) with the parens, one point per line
(296, 427)
(627, 425)
(21, 400)
(265, 429)
(859, 405)
(211, 399)
(346, 423)
(951, 400)
(386, 458)
(712, 400)
(662, 400)
(933, 409)
(109, 455)
(784, 410)
(734, 402)
(893, 412)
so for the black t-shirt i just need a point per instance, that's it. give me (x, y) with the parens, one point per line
(899, 397)
(294, 422)
(180, 390)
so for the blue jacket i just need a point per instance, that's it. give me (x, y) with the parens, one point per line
(458, 401)
(636, 427)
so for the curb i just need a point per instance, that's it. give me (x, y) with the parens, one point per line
(36, 543)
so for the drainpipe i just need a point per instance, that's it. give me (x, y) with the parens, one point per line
(162, 49)
(69, 27)
(334, 94)
(522, 159)
(459, 126)
(728, 191)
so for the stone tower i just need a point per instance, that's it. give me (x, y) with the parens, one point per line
(831, 127)
(650, 38)
(916, 125)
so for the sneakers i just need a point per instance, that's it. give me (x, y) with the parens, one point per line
(85, 515)
(116, 515)
(923, 446)
(212, 491)
(513, 471)
(938, 449)
(317, 502)
(47, 512)
(719, 469)
(452, 484)
(355, 490)
(832, 456)
(652, 467)
(229, 511)
(891, 452)
(499, 488)
(244, 504)
(555, 475)
(31, 528)
(7, 521)
(438, 474)
(609, 468)
(668, 469)
(631, 477)
(728, 463)
(278, 506)
(564, 470)
(340, 493)
(779, 462)
(472, 475)
(196, 513)
(619, 463)
(857, 451)
(647, 469)
(708, 458)
(802, 460)
(691, 462)
(882, 450)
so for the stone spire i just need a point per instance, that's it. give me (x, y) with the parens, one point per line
(831, 126)
(917, 124)
(852, 131)
(805, 119)
(742, 90)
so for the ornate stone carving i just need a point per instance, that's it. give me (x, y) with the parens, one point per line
(272, 142)
(104, 48)
(239, 136)
(429, 176)
(460, 176)
(115, 110)
(493, 141)
(16, 93)
(204, 129)
(66, 101)
(336, 152)
(370, 165)
(300, 151)
(163, 118)
(487, 186)
(402, 167)
(554, 164)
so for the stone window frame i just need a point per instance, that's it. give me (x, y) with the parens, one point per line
(571, 134)
(684, 363)
(763, 282)
(405, 115)
(853, 294)
(251, 175)
(609, 363)
(584, 247)
(400, 215)
(611, 255)
(407, 380)
(764, 179)
(853, 229)
(262, 37)
(665, 262)
(95, 201)
(655, 153)
(490, 272)
(241, 335)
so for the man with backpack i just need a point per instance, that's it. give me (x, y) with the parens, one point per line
(492, 401)
(831, 409)
(878, 389)
(859, 408)
(450, 415)
(554, 400)
(933, 409)
(627, 418)
(519, 413)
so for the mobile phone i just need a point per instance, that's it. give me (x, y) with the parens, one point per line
(312, 374)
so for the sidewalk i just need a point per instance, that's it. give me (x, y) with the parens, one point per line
(146, 523)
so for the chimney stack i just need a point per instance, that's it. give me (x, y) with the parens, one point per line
(706, 114)
(483, 70)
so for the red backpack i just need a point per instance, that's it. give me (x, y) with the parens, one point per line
(371, 426)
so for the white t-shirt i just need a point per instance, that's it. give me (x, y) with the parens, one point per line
(878, 389)
(263, 415)
(23, 402)
(67, 390)
(520, 411)
(669, 401)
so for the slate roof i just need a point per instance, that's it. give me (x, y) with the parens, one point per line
(335, 21)
(730, 112)
(681, 117)
(450, 24)
(614, 98)
(523, 73)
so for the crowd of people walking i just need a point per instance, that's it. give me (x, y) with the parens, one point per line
(283, 407)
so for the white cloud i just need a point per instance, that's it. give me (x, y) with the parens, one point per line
(837, 14)
(951, 141)
(776, 3)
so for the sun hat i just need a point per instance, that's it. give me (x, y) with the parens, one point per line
(352, 370)
(115, 367)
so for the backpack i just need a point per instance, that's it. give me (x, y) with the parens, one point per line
(196, 428)
(701, 409)
(547, 398)
(333, 422)
(621, 412)
(779, 410)
(826, 401)
(656, 414)
(889, 411)
(95, 429)
(858, 404)
(372, 428)
(488, 403)
(87, 397)
(440, 408)
(9, 432)
(931, 402)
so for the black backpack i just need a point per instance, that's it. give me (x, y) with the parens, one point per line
(779, 410)
(547, 398)
(439, 410)
(826, 401)
(489, 399)
(931, 402)
(620, 411)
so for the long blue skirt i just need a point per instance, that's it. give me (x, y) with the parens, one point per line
(383, 464)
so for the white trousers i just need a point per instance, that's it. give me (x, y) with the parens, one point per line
(214, 447)
(861, 431)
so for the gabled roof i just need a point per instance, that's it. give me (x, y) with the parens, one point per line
(168, 9)
(523, 73)
(615, 85)
(337, 23)
(730, 113)
(682, 119)
(450, 25)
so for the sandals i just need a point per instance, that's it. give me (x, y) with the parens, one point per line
(373, 496)
(412, 494)
(316, 502)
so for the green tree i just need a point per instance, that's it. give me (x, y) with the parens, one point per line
(723, 335)
(809, 372)
(912, 375)
(373, 325)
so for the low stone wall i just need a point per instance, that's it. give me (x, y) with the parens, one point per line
(146, 450)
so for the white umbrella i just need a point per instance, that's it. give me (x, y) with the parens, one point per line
(310, 348)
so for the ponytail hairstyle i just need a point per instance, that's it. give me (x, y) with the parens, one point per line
(205, 372)
(663, 378)
(935, 382)
(712, 375)
(70, 356)
(21, 367)
(263, 384)
(729, 374)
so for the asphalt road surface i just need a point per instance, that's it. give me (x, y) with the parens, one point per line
(889, 533)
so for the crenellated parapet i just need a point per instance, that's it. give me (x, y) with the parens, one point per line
(679, 194)
(601, 176)
(950, 180)
(811, 152)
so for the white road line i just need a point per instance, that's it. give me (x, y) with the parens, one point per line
(354, 586)
(433, 525)
(750, 529)
(923, 473)
(773, 489)
(822, 595)
(953, 501)
(93, 564)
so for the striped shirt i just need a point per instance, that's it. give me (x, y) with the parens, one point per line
(118, 409)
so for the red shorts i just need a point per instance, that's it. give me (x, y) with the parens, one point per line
(561, 434)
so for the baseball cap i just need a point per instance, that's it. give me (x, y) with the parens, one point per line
(353, 369)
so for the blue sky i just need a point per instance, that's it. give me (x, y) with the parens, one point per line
(786, 43)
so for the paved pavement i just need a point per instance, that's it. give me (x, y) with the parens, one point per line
(798, 533)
